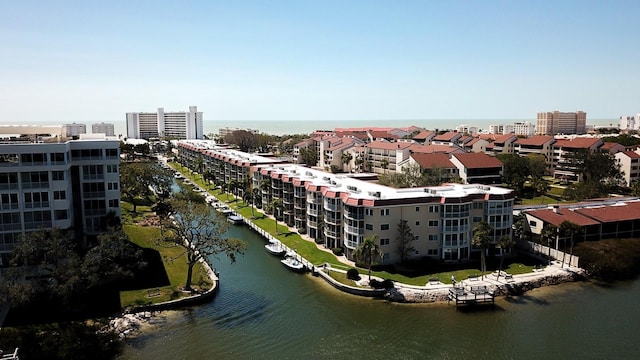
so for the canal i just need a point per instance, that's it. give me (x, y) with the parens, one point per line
(264, 311)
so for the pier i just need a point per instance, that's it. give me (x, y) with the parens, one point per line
(472, 295)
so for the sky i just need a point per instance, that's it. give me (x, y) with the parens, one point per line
(87, 61)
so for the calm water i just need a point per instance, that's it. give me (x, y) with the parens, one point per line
(265, 311)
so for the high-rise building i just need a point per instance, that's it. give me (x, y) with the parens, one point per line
(71, 185)
(630, 122)
(556, 122)
(74, 129)
(524, 128)
(176, 125)
(103, 128)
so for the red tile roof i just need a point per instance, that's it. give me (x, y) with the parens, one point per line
(428, 149)
(379, 144)
(628, 211)
(536, 140)
(477, 160)
(577, 143)
(504, 138)
(423, 135)
(612, 147)
(631, 154)
(428, 161)
(556, 218)
(379, 134)
(448, 136)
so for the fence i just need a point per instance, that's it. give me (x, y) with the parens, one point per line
(557, 255)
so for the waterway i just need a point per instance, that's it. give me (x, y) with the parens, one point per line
(264, 311)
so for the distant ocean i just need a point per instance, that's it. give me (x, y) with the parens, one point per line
(275, 127)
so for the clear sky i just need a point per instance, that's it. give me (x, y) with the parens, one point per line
(88, 61)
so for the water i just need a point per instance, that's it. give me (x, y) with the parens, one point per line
(265, 311)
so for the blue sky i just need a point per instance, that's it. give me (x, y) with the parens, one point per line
(306, 60)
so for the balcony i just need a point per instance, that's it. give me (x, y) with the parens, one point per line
(354, 230)
(334, 220)
(332, 207)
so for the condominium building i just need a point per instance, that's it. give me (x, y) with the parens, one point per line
(524, 128)
(556, 122)
(70, 185)
(74, 129)
(103, 128)
(630, 122)
(177, 125)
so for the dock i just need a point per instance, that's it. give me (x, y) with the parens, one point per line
(472, 295)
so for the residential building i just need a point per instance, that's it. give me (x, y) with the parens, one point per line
(177, 125)
(228, 130)
(384, 156)
(70, 130)
(502, 144)
(466, 129)
(630, 122)
(562, 155)
(556, 122)
(537, 144)
(434, 161)
(424, 137)
(478, 168)
(450, 137)
(523, 129)
(68, 185)
(103, 128)
(629, 162)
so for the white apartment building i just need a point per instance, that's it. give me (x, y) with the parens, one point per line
(70, 185)
(630, 122)
(466, 129)
(74, 129)
(178, 125)
(102, 128)
(629, 162)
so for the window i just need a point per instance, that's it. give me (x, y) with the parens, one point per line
(384, 212)
(112, 153)
(368, 212)
(433, 237)
(432, 252)
(478, 205)
(368, 226)
(433, 223)
(112, 169)
(384, 227)
(112, 186)
(384, 241)
(9, 201)
(533, 223)
(114, 203)
(59, 195)
(417, 208)
(477, 219)
(57, 175)
(417, 223)
(61, 215)
(434, 208)
(416, 238)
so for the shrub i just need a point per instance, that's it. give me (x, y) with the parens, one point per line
(338, 251)
(319, 241)
(302, 231)
(385, 284)
(353, 274)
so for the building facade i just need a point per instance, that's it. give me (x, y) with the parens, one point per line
(556, 122)
(103, 128)
(74, 129)
(161, 124)
(71, 185)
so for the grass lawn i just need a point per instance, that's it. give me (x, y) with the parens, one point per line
(175, 266)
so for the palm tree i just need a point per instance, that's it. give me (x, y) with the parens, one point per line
(549, 232)
(199, 162)
(274, 207)
(569, 228)
(540, 186)
(505, 242)
(482, 239)
(384, 164)
(368, 252)
(346, 159)
(359, 161)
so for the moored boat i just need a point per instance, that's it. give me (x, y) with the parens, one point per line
(291, 262)
(236, 219)
(275, 248)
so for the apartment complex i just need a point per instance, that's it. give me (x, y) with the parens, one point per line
(176, 125)
(70, 130)
(70, 185)
(556, 122)
(629, 122)
(103, 128)
(518, 128)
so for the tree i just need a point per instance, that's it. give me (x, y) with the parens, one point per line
(537, 165)
(200, 233)
(548, 234)
(308, 156)
(519, 229)
(482, 239)
(244, 140)
(635, 188)
(567, 228)
(405, 238)
(143, 180)
(274, 207)
(540, 186)
(597, 173)
(384, 164)
(346, 159)
(505, 242)
(199, 165)
(368, 252)
(516, 170)
(359, 161)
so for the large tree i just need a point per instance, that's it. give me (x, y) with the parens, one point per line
(570, 229)
(505, 243)
(201, 233)
(244, 140)
(144, 180)
(482, 240)
(308, 156)
(548, 234)
(405, 238)
(516, 171)
(275, 207)
(368, 252)
(597, 173)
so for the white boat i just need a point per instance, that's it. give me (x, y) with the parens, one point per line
(236, 219)
(292, 262)
(275, 248)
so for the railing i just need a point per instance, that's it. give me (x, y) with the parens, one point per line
(355, 230)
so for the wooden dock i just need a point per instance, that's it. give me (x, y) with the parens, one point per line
(473, 295)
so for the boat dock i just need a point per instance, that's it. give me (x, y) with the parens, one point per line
(472, 295)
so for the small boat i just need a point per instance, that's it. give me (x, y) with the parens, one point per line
(275, 248)
(236, 219)
(291, 262)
